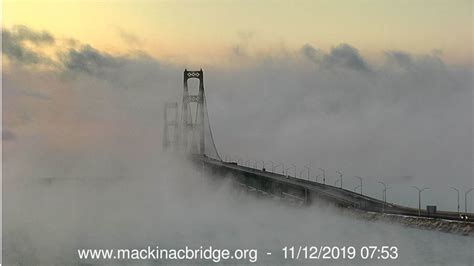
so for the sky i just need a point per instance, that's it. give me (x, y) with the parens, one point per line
(204, 32)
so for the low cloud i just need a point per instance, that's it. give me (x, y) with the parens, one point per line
(399, 58)
(346, 56)
(23, 33)
(15, 45)
(88, 60)
(24, 47)
(311, 53)
(342, 56)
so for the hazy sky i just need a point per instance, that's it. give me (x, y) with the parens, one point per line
(206, 31)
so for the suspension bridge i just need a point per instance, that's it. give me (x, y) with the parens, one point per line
(191, 133)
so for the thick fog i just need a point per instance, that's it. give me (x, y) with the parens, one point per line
(83, 166)
(407, 122)
(162, 201)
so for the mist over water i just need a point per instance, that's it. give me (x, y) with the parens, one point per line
(168, 203)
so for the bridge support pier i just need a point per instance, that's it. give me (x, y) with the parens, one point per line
(170, 125)
(193, 128)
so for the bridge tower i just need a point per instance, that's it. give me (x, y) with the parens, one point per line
(170, 131)
(192, 128)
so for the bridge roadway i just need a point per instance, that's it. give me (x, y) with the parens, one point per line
(309, 191)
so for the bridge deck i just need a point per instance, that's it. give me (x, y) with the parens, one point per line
(340, 196)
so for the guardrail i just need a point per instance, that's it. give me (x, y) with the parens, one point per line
(339, 196)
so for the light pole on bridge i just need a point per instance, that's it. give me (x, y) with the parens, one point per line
(384, 195)
(360, 178)
(457, 190)
(419, 197)
(385, 192)
(340, 176)
(324, 175)
(465, 199)
(309, 170)
(292, 166)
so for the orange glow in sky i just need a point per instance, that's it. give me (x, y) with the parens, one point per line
(207, 30)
